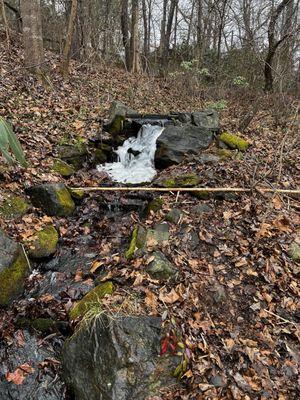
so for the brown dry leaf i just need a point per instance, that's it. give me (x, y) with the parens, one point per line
(277, 203)
(46, 298)
(95, 265)
(264, 230)
(17, 377)
(282, 224)
(151, 300)
(78, 275)
(169, 298)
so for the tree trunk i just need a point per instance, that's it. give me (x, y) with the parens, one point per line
(134, 38)
(125, 32)
(17, 15)
(5, 22)
(87, 29)
(273, 45)
(33, 36)
(67, 49)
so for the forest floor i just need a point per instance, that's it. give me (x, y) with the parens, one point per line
(236, 306)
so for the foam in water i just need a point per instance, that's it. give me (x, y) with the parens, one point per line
(135, 157)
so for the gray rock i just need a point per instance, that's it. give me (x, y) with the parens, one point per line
(52, 198)
(174, 216)
(74, 155)
(40, 384)
(117, 358)
(208, 119)
(208, 159)
(200, 209)
(13, 269)
(175, 142)
(161, 268)
(218, 381)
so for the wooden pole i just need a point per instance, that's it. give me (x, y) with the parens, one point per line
(177, 189)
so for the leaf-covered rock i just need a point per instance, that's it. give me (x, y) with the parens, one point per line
(161, 268)
(43, 243)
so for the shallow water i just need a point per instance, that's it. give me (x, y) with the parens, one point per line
(139, 166)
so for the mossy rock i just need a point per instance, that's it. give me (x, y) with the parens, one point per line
(234, 141)
(161, 268)
(52, 198)
(91, 301)
(133, 244)
(201, 194)
(294, 252)
(13, 207)
(155, 205)
(117, 115)
(43, 325)
(185, 180)
(13, 270)
(225, 154)
(73, 154)
(43, 243)
(63, 168)
(76, 194)
(174, 216)
(99, 156)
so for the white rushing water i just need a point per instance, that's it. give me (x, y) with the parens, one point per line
(135, 157)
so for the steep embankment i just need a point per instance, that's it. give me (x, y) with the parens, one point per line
(231, 306)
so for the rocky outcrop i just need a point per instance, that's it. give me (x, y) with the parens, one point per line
(75, 155)
(117, 115)
(13, 269)
(52, 198)
(117, 358)
(62, 168)
(176, 142)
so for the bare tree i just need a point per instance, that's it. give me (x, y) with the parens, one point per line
(135, 65)
(125, 32)
(273, 43)
(67, 49)
(5, 22)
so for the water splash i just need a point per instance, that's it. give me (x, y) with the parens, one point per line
(135, 157)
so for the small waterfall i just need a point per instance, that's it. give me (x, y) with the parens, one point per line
(135, 157)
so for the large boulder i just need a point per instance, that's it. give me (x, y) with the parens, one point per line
(28, 370)
(52, 198)
(13, 269)
(175, 142)
(117, 358)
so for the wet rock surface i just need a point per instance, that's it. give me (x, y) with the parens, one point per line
(117, 358)
(34, 364)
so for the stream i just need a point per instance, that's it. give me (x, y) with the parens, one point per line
(135, 162)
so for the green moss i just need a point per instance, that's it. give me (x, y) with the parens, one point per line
(44, 243)
(185, 180)
(65, 201)
(225, 154)
(117, 124)
(77, 194)
(99, 156)
(13, 207)
(62, 168)
(234, 141)
(155, 205)
(201, 194)
(130, 252)
(91, 300)
(12, 279)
